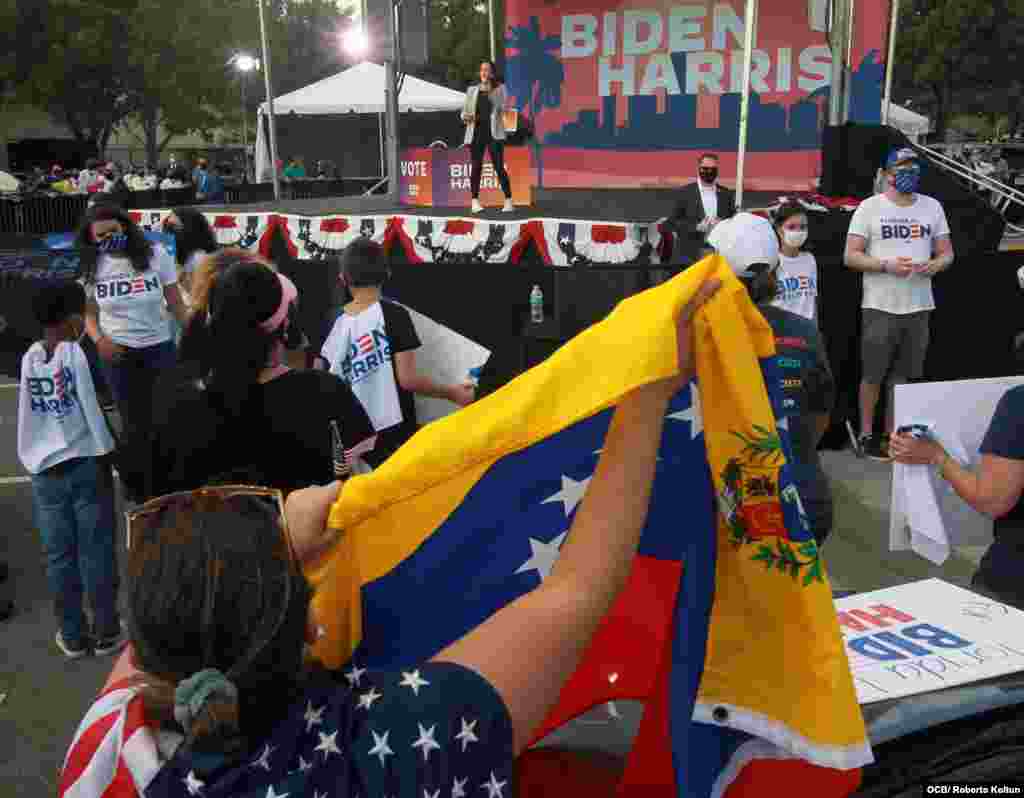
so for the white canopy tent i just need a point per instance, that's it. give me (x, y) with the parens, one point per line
(357, 90)
(910, 124)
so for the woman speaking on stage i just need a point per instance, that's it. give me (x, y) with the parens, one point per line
(486, 100)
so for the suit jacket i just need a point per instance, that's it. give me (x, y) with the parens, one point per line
(498, 99)
(689, 212)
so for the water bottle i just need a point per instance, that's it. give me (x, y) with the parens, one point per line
(536, 305)
(342, 467)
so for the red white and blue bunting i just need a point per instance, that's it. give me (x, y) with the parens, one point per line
(431, 239)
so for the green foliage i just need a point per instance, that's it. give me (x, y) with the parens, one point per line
(949, 52)
(459, 40)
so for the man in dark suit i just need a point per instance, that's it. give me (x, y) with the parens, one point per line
(701, 206)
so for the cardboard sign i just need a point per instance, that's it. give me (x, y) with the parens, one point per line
(447, 358)
(927, 636)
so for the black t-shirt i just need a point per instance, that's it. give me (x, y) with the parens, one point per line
(1002, 567)
(484, 108)
(283, 439)
(403, 338)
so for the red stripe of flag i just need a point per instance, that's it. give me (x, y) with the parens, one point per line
(81, 755)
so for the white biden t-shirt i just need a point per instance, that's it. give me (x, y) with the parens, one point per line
(893, 231)
(131, 303)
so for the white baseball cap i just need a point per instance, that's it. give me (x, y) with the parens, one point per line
(745, 239)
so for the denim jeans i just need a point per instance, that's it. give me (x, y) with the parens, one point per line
(74, 506)
(132, 380)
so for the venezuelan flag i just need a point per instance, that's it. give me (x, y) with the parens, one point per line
(738, 656)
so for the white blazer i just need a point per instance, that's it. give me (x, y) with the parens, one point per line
(498, 99)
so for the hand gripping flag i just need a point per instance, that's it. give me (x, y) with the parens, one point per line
(737, 655)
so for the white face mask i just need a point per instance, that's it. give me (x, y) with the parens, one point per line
(794, 238)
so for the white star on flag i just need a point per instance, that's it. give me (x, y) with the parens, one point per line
(564, 241)
(328, 744)
(783, 423)
(318, 794)
(459, 788)
(543, 556)
(413, 681)
(366, 699)
(355, 675)
(570, 495)
(192, 784)
(272, 794)
(435, 794)
(466, 735)
(380, 746)
(264, 760)
(426, 741)
(494, 787)
(691, 414)
(303, 765)
(313, 717)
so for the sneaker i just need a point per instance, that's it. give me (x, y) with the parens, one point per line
(508, 207)
(111, 644)
(477, 207)
(107, 404)
(876, 447)
(68, 650)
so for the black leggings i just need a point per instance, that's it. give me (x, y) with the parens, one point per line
(497, 148)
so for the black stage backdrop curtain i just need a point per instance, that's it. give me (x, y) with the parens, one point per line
(352, 141)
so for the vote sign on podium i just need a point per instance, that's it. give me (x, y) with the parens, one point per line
(442, 178)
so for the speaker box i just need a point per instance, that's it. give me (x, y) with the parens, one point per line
(414, 31)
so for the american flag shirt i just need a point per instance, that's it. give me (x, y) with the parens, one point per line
(437, 731)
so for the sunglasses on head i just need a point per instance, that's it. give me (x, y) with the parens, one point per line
(240, 498)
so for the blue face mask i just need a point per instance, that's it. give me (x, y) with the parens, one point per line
(907, 179)
(117, 242)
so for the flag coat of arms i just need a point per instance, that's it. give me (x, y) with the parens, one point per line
(726, 628)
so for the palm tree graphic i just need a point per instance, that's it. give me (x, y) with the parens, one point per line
(534, 76)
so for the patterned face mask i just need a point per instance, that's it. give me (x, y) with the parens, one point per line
(908, 178)
(116, 242)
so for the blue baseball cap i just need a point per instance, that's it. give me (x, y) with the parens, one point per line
(899, 155)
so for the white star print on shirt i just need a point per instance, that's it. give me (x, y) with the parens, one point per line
(328, 744)
(272, 794)
(192, 784)
(426, 741)
(264, 760)
(313, 717)
(543, 556)
(570, 495)
(413, 681)
(494, 787)
(692, 413)
(459, 788)
(366, 699)
(317, 794)
(380, 746)
(466, 735)
(435, 794)
(355, 675)
(303, 765)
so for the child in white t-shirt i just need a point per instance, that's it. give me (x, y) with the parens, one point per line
(798, 270)
(62, 436)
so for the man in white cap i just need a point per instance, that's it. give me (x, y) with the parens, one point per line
(750, 245)
(900, 240)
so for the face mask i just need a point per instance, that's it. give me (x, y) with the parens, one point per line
(794, 238)
(708, 175)
(117, 242)
(907, 179)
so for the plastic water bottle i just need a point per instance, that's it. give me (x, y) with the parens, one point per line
(536, 305)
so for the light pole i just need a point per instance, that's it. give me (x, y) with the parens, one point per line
(270, 103)
(245, 64)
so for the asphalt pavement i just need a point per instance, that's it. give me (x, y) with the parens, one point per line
(43, 697)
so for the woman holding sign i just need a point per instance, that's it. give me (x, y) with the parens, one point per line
(486, 100)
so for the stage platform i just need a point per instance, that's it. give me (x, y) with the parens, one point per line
(621, 206)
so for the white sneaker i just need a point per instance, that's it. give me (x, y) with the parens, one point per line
(508, 207)
(477, 207)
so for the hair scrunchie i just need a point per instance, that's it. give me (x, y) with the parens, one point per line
(192, 694)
